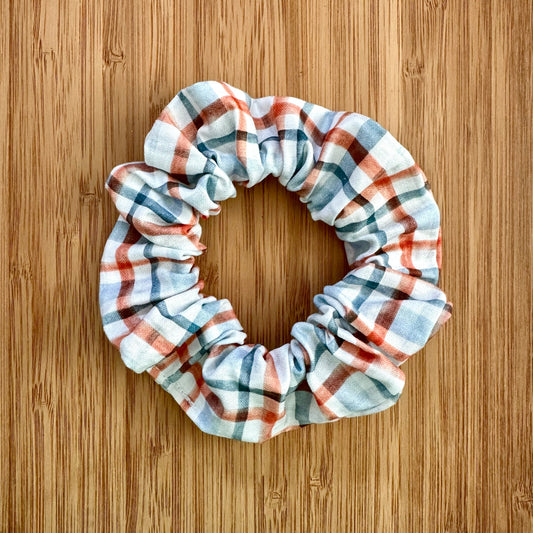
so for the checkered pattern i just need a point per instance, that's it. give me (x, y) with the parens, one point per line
(352, 174)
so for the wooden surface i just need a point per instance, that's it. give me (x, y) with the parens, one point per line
(87, 445)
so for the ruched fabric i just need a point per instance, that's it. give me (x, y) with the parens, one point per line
(351, 173)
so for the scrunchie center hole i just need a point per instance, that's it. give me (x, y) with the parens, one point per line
(268, 257)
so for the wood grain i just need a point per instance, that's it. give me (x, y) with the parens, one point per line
(87, 445)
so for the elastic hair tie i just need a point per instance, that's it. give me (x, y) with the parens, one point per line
(343, 361)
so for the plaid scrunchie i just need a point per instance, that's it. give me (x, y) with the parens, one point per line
(352, 174)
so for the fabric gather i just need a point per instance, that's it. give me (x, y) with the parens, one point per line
(352, 174)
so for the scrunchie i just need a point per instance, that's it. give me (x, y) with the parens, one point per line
(352, 174)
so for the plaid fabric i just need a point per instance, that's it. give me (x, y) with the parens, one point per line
(352, 174)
